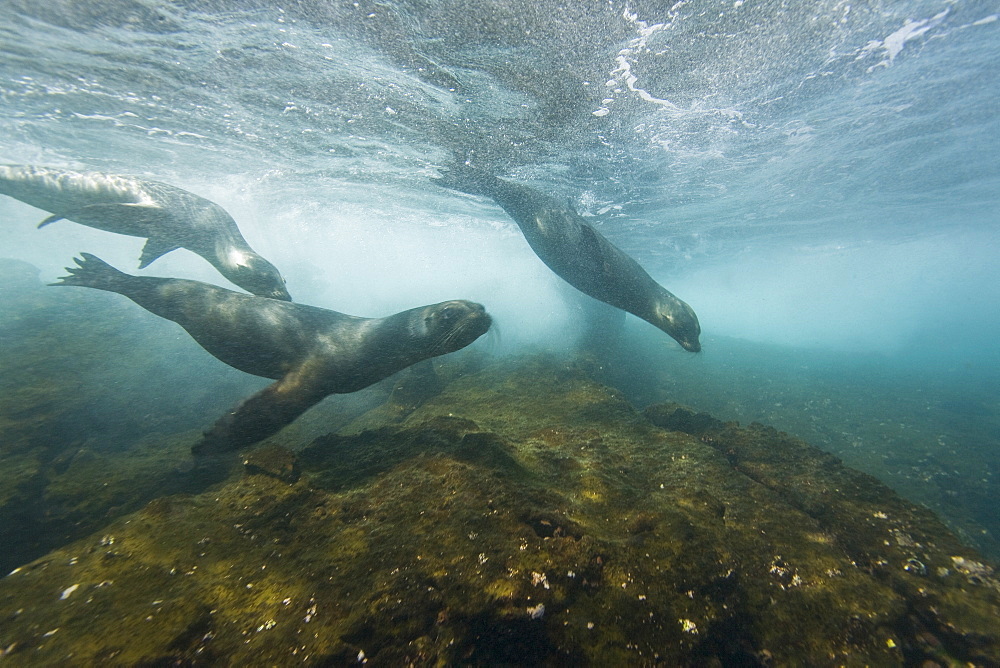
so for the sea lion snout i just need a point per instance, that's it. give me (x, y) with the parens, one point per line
(690, 346)
(455, 324)
(256, 275)
(679, 321)
(687, 336)
(453, 311)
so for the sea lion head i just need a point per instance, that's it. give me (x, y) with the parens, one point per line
(679, 321)
(258, 276)
(450, 326)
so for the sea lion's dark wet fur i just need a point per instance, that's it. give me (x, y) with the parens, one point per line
(311, 352)
(579, 254)
(168, 217)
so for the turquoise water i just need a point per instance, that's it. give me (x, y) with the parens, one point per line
(819, 182)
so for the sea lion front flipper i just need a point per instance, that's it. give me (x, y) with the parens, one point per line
(154, 249)
(591, 244)
(265, 413)
(51, 219)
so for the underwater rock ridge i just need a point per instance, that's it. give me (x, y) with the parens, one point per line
(524, 514)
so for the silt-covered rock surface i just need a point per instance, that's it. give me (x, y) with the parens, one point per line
(519, 513)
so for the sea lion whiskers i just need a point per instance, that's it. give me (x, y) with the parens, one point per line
(443, 342)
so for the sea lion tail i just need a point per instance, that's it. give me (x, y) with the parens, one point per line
(93, 272)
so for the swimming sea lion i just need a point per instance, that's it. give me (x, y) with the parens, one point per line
(169, 218)
(578, 253)
(310, 351)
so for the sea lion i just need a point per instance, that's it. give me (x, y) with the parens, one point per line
(311, 352)
(578, 253)
(169, 218)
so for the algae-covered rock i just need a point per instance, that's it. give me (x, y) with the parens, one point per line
(271, 460)
(86, 435)
(523, 515)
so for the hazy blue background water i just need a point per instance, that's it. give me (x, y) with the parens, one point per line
(818, 180)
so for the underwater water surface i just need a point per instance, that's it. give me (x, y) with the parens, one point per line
(817, 180)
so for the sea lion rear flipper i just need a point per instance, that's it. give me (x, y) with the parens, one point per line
(154, 249)
(93, 272)
(263, 414)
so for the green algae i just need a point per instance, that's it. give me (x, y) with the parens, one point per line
(484, 512)
(81, 443)
(522, 514)
(87, 436)
(929, 433)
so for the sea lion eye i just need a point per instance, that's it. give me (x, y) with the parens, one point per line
(448, 315)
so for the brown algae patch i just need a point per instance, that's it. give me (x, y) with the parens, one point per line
(522, 515)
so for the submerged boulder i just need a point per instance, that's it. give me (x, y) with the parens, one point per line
(523, 515)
